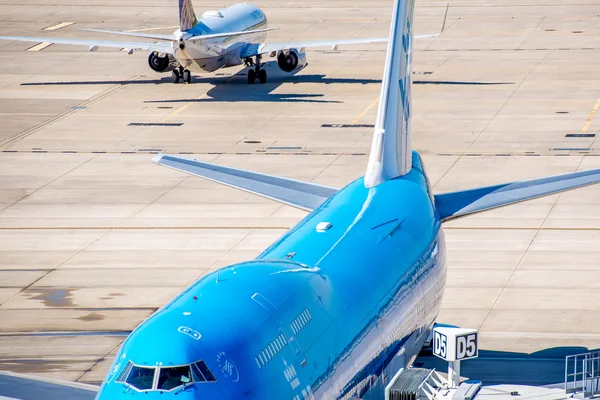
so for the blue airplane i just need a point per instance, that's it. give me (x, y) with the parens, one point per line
(340, 304)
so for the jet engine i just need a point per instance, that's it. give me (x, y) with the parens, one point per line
(291, 60)
(161, 62)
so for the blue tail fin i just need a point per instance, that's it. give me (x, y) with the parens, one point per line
(187, 16)
(391, 151)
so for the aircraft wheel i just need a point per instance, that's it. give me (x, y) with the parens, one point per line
(175, 76)
(262, 76)
(251, 76)
(187, 76)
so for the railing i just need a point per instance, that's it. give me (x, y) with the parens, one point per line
(582, 374)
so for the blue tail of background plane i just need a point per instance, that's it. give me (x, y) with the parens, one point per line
(391, 149)
(187, 16)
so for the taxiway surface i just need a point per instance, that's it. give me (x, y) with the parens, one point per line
(94, 237)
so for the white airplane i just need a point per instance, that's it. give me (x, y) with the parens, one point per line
(229, 37)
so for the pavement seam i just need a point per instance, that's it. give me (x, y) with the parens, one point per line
(29, 194)
(12, 141)
(58, 266)
(508, 99)
(523, 255)
(507, 282)
(446, 173)
(100, 360)
(531, 33)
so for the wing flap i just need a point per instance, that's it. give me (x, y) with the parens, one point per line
(160, 47)
(458, 204)
(303, 195)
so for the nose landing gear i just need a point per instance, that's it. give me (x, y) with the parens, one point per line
(257, 72)
(181, 74)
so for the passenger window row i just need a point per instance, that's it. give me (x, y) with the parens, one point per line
(301, 320)
(144, 378)
(272, 349)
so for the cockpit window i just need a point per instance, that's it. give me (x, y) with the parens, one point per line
(172, 377)
(123, 375)
(204, 372)
(141, 378)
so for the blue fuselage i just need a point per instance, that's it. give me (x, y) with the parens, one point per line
(325, 314)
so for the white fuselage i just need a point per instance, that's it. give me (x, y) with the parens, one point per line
(211, 54)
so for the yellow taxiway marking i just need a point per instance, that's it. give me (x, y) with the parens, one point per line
(58, 26)
(39, 46)
(590, 117)
(152, 29)
(373, 104)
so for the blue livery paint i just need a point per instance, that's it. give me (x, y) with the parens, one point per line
(320, 315)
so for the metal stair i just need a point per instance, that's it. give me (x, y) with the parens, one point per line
(415, 384)
(582, 375)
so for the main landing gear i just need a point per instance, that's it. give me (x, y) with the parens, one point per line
(257, 72)
(182, 74)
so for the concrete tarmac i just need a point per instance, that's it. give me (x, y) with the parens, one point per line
(94, 237)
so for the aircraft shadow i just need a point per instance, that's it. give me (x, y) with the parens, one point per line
(235, 88)
(227, 80)
(276, 76)
(544, 367)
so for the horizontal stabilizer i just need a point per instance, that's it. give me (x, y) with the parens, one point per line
(228, 34)
(303, 195)
(458, 204)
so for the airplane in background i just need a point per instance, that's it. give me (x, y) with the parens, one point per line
(343, 302)
(225, 38)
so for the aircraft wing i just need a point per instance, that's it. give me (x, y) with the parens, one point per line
(303, 195)
(161, 47)
(173, 37)
(459, 204)
(254, 50)
(156, 36)
(24, 387)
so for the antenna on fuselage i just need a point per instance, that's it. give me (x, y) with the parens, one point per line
(391, 155)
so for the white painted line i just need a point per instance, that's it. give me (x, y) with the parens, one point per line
(58, 26)
(39, 46)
